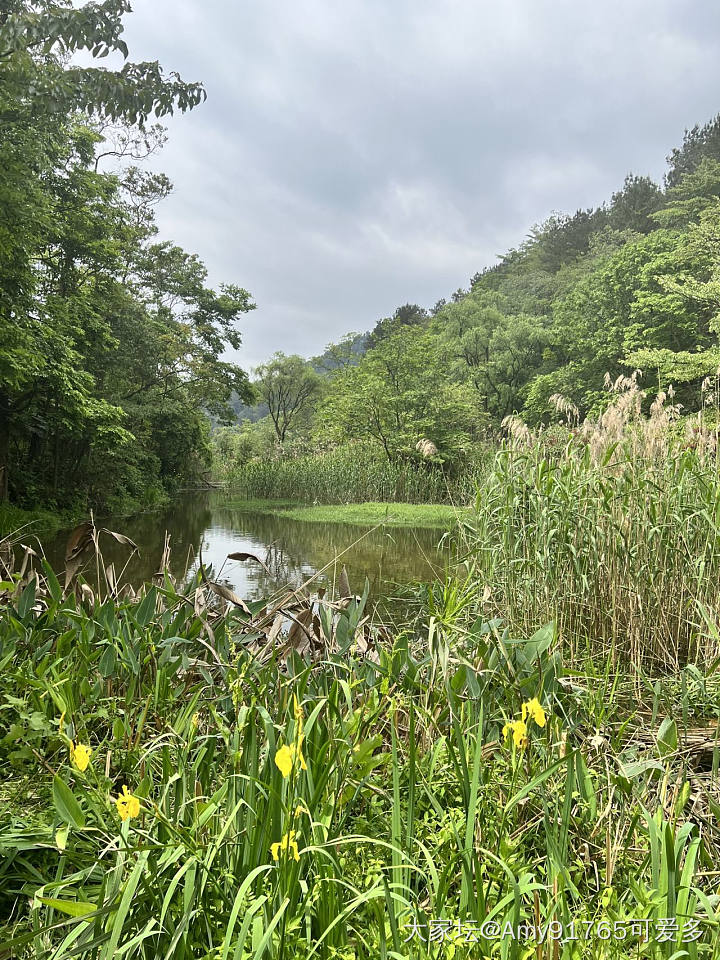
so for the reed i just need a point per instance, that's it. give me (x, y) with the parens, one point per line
(352, 474)
(613, 534)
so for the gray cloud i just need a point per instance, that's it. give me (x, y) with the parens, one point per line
(353, 156)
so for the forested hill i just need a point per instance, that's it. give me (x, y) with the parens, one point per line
(632, 285)
(113, 348)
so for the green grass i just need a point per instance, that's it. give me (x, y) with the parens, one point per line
(431, 515)
(31, 522)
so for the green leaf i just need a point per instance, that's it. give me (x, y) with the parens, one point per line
(667, 738)
(66, 805)
(27, 600)
(108, 661)
(74, 908)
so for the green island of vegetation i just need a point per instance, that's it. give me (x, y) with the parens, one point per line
(438, 515)
(524, 762)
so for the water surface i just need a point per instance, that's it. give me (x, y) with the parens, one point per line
(293, 550)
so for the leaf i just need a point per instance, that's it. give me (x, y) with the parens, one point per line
(248, 556)
(61, 837)
(222, 591)
(637, 767)
(121, 538)
(108, 661)
(227, 594)
(667, 738)
(66, 805)
(27, 599)
(74, 908)
(79, 540)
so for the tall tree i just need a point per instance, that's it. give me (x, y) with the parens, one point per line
(288, 385)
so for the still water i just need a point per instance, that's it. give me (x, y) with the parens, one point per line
(292, 550)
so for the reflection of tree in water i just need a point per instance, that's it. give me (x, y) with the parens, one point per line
(293, 550)
(185, 521)
(296, 549)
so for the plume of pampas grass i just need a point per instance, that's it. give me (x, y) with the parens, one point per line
(426, 448)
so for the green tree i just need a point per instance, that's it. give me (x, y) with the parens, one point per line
(400, 393)
(111, 344)
(289, 386)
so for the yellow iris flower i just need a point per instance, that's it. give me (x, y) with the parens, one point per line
(534, 710)
(127, 805)
(288, 755)
(80, 755)
(519, 732)
(288, 844)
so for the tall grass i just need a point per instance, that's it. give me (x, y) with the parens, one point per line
(351, 474)
(614, 535)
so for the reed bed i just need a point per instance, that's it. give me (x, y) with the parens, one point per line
(613, 533)
(352, 474)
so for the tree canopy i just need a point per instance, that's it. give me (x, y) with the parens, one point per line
(112, 341)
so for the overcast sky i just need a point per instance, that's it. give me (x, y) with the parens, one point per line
(354, 155)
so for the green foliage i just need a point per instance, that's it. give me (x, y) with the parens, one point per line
(111, 342)
(631, 285)
(35, 39)
(289, 386)
(411, 806)
(350, 473)
(398, 394)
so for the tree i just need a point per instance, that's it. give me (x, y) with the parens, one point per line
(100, 328)
(696, 286)
(408, 315)
(288, 385)
(698, 143)
(401, 392)
(347, 351)
(38, 77)
(632, 208)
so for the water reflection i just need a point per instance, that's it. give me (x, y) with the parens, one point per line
(292, 550)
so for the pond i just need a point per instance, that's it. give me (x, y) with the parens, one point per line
(292, 550)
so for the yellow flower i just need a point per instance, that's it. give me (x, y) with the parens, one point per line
(287, 755)
(127, 805)
(519, 732)
(301, 808)
(534, 710)
(287, 844)
(299, 715)
(80, 755)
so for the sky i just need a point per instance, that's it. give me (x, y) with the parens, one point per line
(355, 155)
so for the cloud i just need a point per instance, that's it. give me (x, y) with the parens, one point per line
(354, 156)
